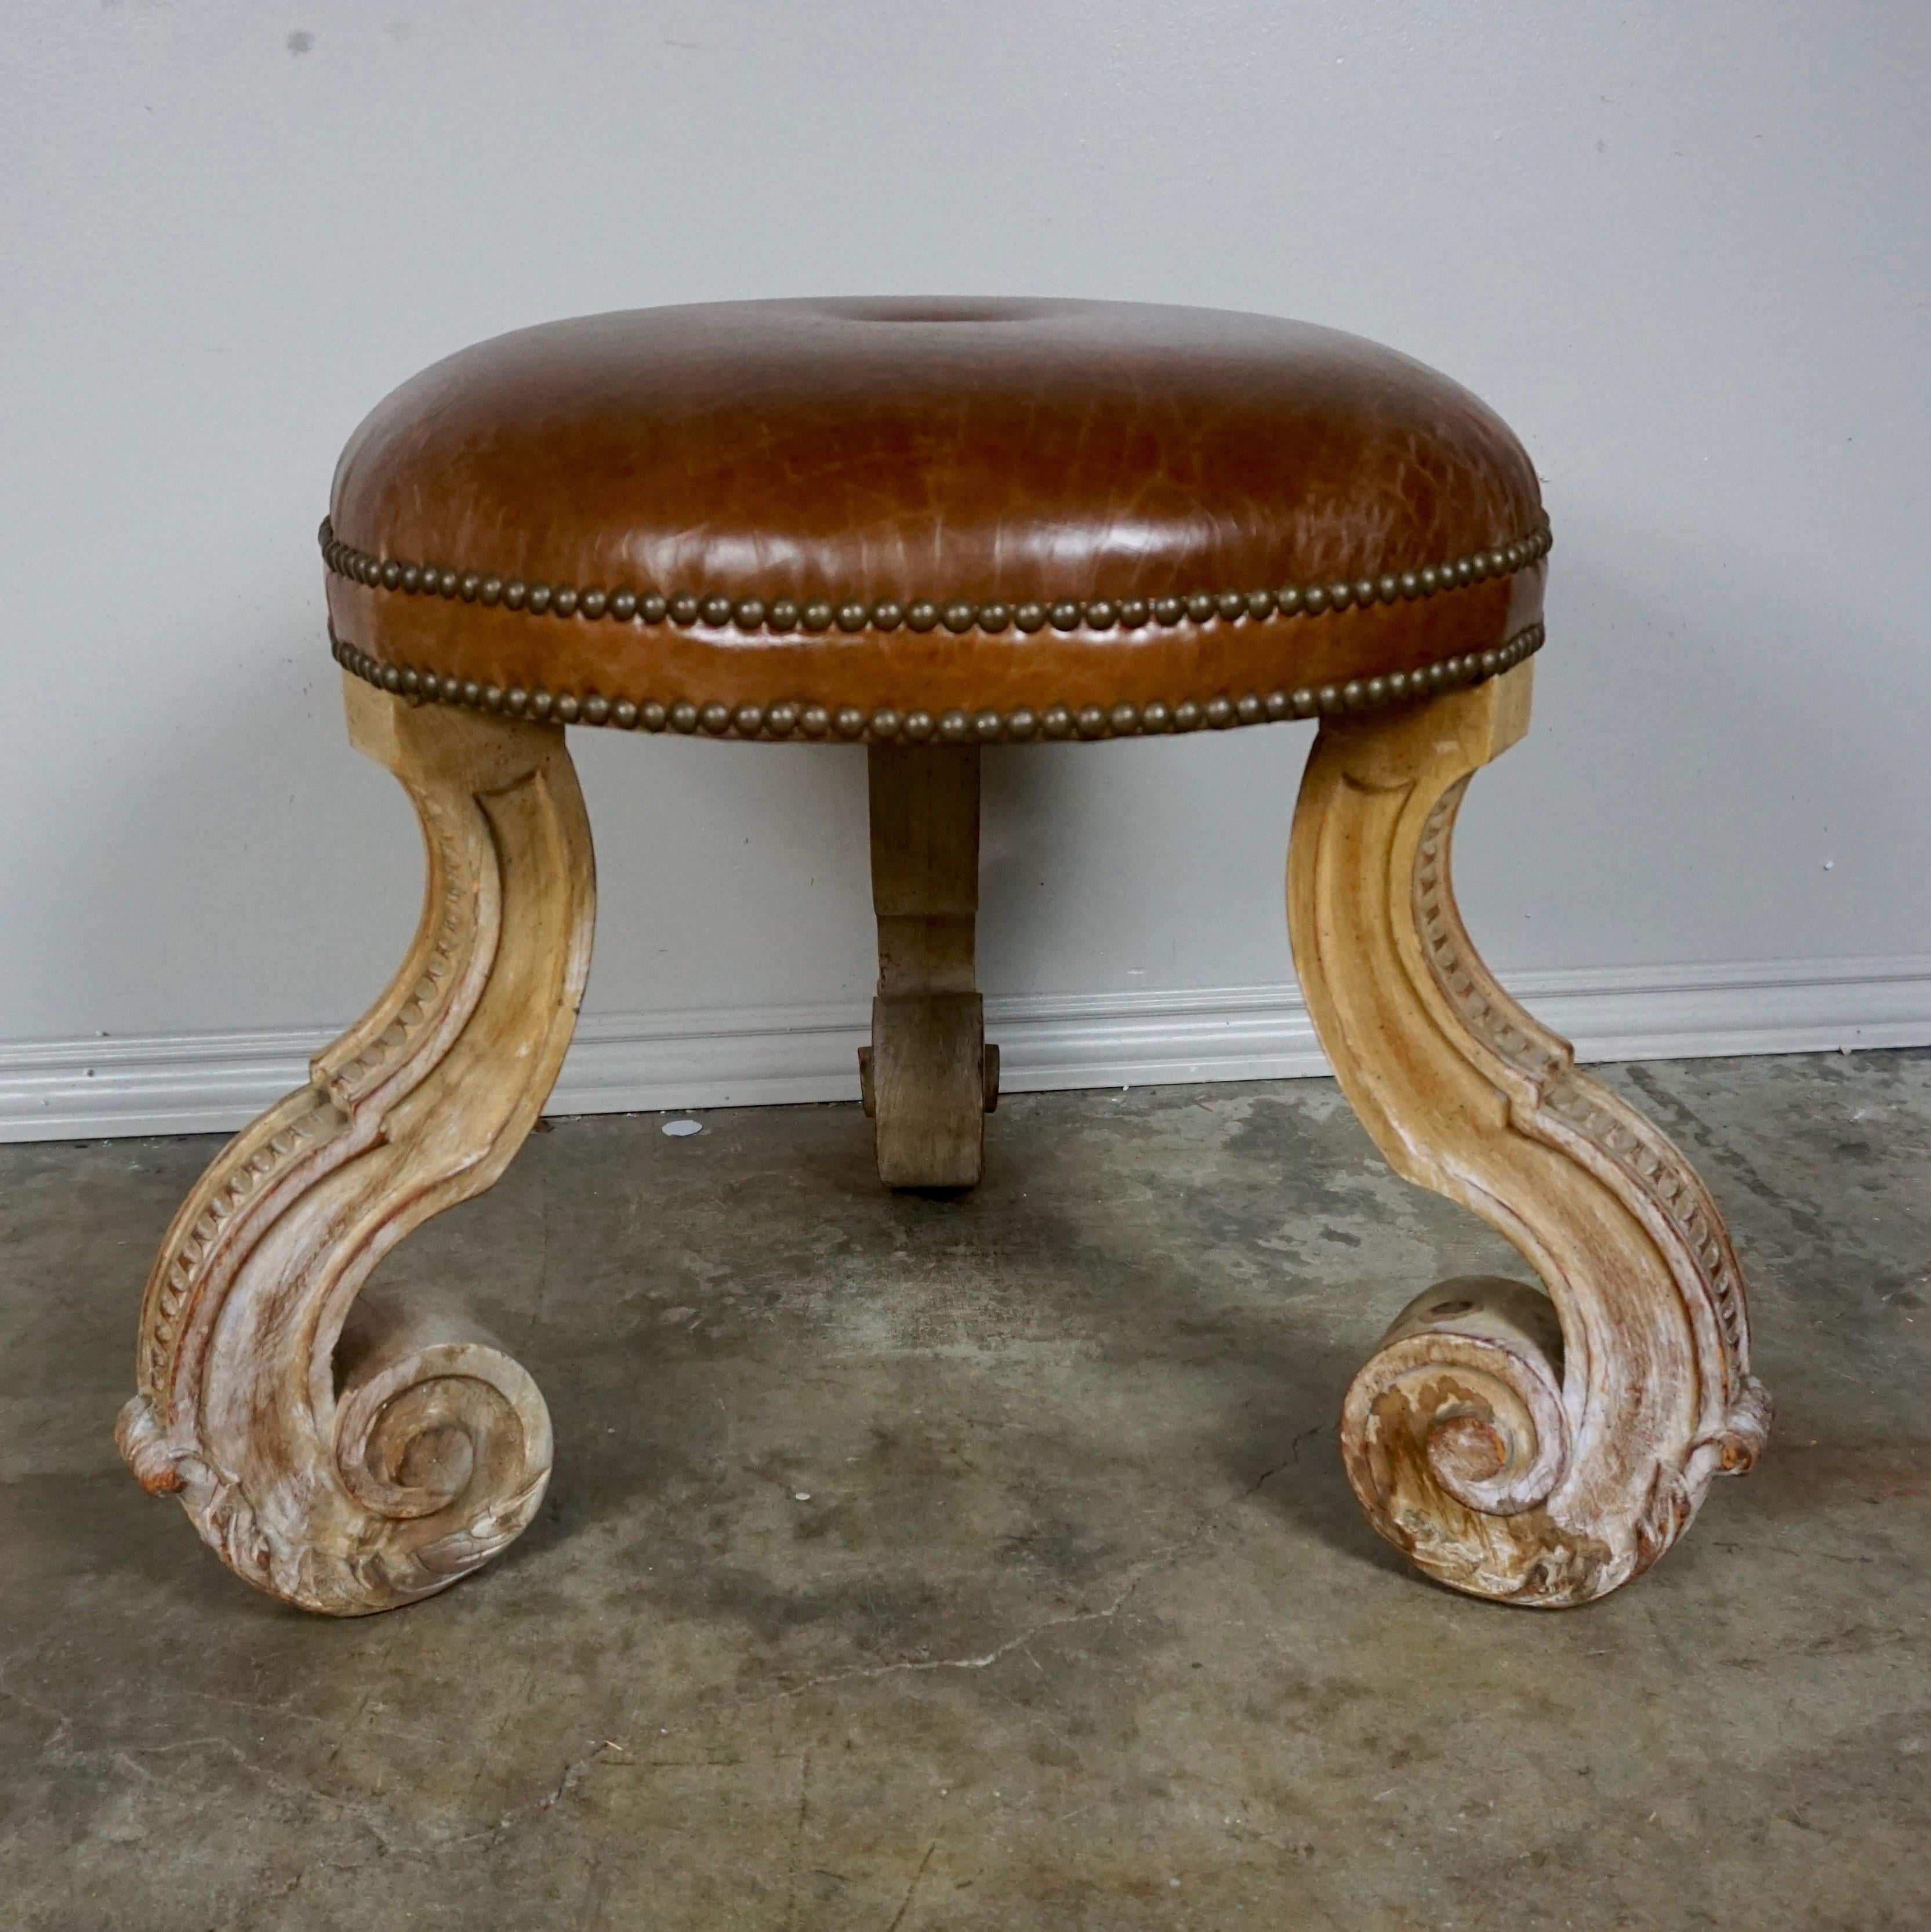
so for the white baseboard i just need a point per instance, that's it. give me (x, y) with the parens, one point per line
(200, 1083)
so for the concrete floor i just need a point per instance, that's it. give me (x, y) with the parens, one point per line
(987, 1565)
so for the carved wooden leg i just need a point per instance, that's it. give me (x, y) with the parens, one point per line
(930, 1079)
(1544, 1454)
(352, 1457)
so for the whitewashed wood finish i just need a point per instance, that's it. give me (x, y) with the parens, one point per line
(353, 1478)
(1540, 1454)
(928, 1078)
(350, 1456)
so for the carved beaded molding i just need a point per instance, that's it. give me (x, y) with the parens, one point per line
(804, 719)
(690, 609)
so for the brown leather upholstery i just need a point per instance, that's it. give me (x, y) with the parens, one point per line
(778, 515)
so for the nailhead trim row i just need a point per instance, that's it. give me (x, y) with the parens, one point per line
(800, 719)
(689, 609)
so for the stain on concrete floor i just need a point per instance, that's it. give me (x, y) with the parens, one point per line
(986, 1564)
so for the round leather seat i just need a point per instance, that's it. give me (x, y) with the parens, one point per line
(947, 520)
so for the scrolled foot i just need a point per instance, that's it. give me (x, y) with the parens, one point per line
(1454, 1428)
(1542, 1448)
(349, 1456)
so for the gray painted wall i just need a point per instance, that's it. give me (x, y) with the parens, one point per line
(1683, 248)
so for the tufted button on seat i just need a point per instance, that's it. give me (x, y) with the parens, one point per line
(899, 519)
(934, 526)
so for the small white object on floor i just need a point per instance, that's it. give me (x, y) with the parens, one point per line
(801, 1495)
(679, 1129)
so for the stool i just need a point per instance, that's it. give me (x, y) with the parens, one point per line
(926, 527)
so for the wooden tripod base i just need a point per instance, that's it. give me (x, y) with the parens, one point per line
(1540, 1443)
(929, 1077)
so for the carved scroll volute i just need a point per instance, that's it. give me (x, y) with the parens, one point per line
(1543, 1458)
(350, 1457)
